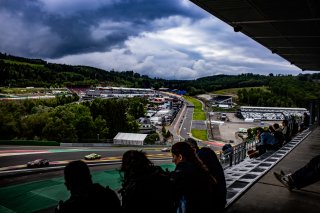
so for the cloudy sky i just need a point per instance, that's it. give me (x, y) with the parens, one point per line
(170, 39)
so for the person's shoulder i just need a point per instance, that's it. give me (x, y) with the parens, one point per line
(70, 205)
(180, 168)
(101, 194)
(97, 189)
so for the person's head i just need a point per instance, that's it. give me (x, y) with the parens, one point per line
(271, 128)
(134, 164)
(77, 176)
(227, 147)
(210, 159)
(259, 130)
(193, 143)
(208, 155)
(182, 152)
(276, 126)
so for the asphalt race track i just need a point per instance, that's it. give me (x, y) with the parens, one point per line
(14, 159)
(25, 189)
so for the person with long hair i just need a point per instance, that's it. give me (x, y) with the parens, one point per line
(194, 186)
(211, 161)
(145, 187)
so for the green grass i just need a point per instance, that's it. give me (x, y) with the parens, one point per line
(200, 116)
(22, 90)
(31, 90)
(200, 134)
(29, 143)
(198, 113)
(234, 91)
(22, 63)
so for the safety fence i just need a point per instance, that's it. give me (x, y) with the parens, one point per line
(237, 153)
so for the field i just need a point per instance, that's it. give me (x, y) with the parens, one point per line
(22, 63)
(198, 113)
(21, 90)
(234, 91)
(31, 90)
(200, 134)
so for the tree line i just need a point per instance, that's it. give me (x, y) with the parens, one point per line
(282, 90)
(63, 120)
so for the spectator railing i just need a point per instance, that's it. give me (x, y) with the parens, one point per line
(237, 154)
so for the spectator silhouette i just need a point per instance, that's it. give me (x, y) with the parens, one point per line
(145, 187)
(305, 176)
(194, 186)
(278, 135)
(295, 126)
(211, 161)
(286, 131)
(306, 121)
(227, 150)
(85, 195)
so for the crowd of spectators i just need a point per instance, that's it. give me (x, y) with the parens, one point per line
(277, 135)
(196, 185)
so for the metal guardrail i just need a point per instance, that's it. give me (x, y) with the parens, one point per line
(237, 155)
(242, 176)
(240, 151)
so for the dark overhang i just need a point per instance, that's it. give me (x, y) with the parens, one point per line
(289, 28)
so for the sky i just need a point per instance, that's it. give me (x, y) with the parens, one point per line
(169, 39)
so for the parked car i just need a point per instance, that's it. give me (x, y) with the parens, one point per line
(38, 163)
(92, 156)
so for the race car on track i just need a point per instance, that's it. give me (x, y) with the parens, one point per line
(92, 156)
(38, 163)
(165, 150)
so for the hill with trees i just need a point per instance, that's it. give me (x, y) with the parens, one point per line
(64, 120)
(282, 90)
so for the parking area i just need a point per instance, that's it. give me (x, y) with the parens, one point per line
(228, 130)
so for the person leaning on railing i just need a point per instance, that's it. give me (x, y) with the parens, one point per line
(228, 151)
(266, 141)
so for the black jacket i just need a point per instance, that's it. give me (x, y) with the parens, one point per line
(196, 186)
(97, 199)
(152, 192)
(210, 159)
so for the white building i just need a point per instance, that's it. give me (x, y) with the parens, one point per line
(129, 139)
(156, 121)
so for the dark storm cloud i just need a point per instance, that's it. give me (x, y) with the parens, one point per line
(171, 39)
(55, 28)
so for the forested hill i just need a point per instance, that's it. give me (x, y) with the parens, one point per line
(21, 72)
(282, 90)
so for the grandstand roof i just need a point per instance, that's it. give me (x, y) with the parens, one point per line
(271, 108)
(288, 28)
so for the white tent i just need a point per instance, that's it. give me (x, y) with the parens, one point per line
(129, 139)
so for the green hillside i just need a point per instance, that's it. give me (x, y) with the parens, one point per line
(251, 89)
(234, 91)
